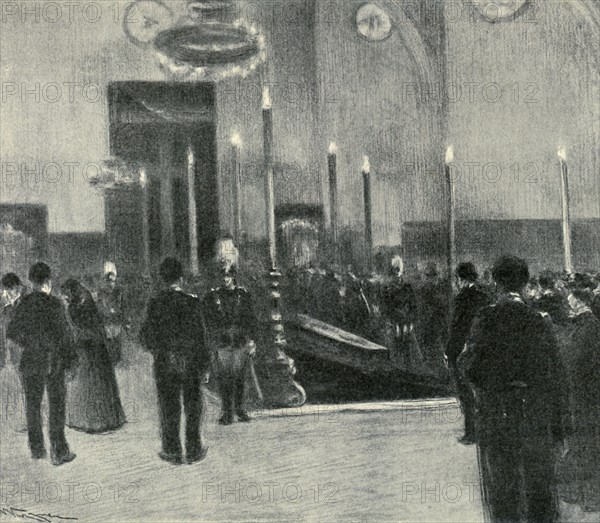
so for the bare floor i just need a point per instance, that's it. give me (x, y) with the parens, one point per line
(394, 461)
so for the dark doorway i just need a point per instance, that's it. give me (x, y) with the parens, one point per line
(155, 124)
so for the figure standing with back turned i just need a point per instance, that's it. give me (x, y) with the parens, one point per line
(174, 333)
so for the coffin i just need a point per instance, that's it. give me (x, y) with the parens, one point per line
(314, 338)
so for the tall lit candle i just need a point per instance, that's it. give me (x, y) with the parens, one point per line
(451, 232)
(269, 176)
(145, 221)
(236, 142)
(193, 215)
(333, 197)
(166, 198)
(566, 211)
(366, 172)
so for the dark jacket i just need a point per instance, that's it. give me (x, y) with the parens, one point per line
(512, 353)
(554, 305)
(399, 303)
(468, 302)
(596, 306)
(174, 326)
(41, 328)
(230, 316)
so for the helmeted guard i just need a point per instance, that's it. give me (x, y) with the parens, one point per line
(232, 330)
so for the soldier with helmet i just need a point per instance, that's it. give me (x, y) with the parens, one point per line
(232, 326)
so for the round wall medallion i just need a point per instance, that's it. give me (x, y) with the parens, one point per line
(373, 22)
(500, 10)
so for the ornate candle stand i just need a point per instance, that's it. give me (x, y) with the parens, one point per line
(285, 391)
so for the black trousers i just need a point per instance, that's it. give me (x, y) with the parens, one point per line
(466, 398)
(173, 382)
(518, 464)
(34, 385)
(233, 389)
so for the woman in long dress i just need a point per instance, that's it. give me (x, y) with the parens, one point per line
(93, 403)
(580, 470)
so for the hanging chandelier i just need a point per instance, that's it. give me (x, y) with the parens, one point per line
(207, 48)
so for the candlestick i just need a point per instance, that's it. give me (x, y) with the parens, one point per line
(237, 197)
(269, 178)
(366, 171)
(266, 98)
(145, 223)
(193, 216)
(451, 238)
(566, 211)
(333, 203)
(166, 199)
(282, 388)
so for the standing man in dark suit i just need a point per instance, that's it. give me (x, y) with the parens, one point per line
(41, 328)
(468, 302)
(174, 333)
(512, 359)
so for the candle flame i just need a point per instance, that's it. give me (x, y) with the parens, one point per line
(332, 148)
(450, 154)
(236, 139)
(562, 153)
(143, 178)
(266, 98)
(366, 166)
(190, 155)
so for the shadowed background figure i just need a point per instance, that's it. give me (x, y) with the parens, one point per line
(468, 302)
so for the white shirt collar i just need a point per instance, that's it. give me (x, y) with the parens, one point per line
(515, 296)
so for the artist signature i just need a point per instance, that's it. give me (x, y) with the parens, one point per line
(19, 513)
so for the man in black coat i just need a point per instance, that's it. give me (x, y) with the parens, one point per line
(468, 302)
(513, 361)
(41, 328)
(174, 333)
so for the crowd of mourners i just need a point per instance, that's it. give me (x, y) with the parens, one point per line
(378, 305)
(524, 353)
(408, 316)
(66, 340)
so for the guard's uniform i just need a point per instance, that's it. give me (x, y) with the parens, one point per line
(232, 325)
